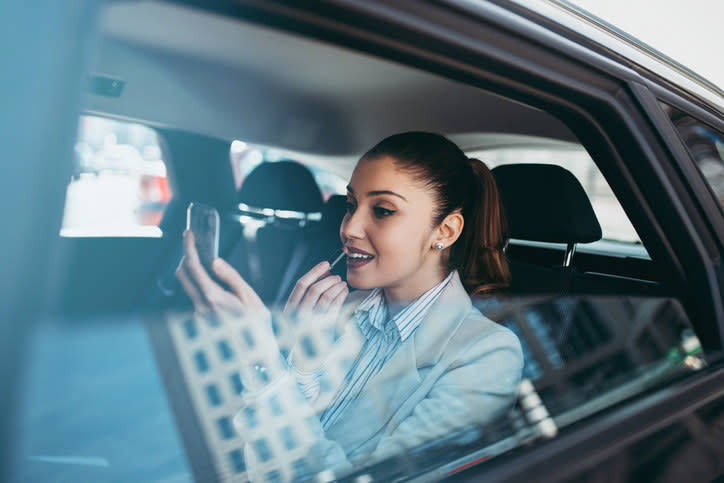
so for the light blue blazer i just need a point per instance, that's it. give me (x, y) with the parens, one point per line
(458, 370)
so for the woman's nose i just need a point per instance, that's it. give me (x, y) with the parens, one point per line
(351, 227)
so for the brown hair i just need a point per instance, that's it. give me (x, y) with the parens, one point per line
(457, 183)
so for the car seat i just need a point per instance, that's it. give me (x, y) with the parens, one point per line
(279, 210)
(545, 203)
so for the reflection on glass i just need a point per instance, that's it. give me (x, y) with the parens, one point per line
(706, 146)
(582, 354)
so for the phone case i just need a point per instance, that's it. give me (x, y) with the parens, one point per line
(203, 221)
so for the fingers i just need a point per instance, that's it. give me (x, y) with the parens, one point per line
(204, 292)
(303, 284)
(237, 284)
(192, 262)
(317, 291)
(208, 287)
(333, 297)
(190, 288)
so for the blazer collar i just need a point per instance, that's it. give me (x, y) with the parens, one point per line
(398, 379)
(431, 337)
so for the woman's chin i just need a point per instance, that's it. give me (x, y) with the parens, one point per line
(358, 282)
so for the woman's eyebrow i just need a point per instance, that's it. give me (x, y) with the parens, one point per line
(379, 192)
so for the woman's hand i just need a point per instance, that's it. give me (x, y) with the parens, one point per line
(315, 304)
(239, 311)
(206, 294)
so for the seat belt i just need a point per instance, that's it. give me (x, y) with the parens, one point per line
(295, 261)
(249, 231)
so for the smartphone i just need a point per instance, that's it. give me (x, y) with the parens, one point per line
(203, 221)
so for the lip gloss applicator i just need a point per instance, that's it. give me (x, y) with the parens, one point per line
(338, 255)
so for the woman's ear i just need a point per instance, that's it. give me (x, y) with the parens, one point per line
(450, 229)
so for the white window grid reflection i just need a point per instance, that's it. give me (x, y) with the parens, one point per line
(210, 377)
(278, 431)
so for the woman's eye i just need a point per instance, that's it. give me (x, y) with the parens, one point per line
(349, 207)
(382, 212)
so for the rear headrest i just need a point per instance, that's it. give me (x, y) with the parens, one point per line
(546, 203)
(334, 209)
(281, 185)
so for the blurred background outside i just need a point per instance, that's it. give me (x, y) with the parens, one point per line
(690, 32)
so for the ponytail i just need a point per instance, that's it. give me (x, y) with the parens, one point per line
(457, 183)
(478, 254)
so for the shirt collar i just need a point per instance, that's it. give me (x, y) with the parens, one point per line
(372, 313)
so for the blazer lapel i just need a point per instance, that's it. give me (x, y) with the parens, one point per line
(440, 323)
(391, 394)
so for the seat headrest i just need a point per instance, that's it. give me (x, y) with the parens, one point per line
(334, 208)
(281, 185)
(546, 203)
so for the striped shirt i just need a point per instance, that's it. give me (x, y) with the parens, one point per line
(382, 338)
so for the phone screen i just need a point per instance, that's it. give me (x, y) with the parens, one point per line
(203, 221)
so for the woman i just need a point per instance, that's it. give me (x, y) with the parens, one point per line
(410, 360)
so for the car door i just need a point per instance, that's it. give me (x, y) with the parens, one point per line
(509, 51)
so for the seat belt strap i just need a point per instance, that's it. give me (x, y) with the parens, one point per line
(295, 261)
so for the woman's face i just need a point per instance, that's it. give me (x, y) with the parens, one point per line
(388, 233)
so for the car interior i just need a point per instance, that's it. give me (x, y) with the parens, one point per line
(248, 84)
(590, 312)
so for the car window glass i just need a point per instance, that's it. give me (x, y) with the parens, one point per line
(94, 407)
(582, 354)
(119, 185)
(706, 146)
(615, 225)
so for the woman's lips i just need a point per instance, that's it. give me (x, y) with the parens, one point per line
(357, 262)
(357, 258)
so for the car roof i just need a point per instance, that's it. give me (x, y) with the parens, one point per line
(223, 77)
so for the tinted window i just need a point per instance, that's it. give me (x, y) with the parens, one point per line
(706, 146)
(582, 354)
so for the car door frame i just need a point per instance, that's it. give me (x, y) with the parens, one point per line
(48, 50)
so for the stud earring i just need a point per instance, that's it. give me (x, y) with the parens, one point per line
(439, 246)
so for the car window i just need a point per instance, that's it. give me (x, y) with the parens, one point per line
(119, 186)
(582, 355)
(94, 407)
(615, 225)
(706, 146)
